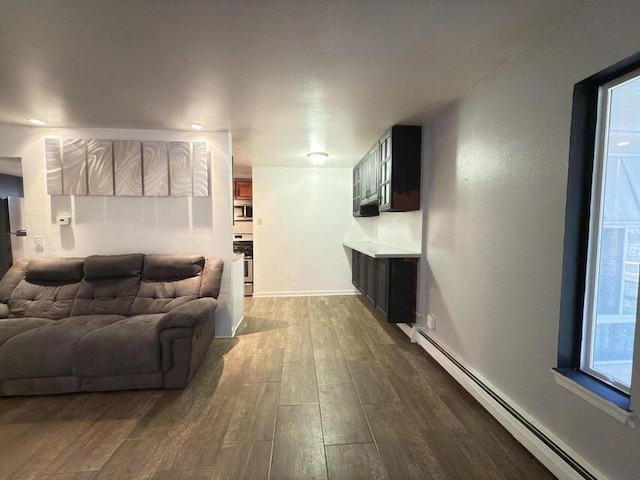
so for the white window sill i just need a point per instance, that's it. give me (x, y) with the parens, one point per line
(610, 408)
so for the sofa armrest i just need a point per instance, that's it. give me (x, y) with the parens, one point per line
(188, 315)
(4, 310)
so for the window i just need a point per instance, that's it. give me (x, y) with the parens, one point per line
(601, 264)
(611, 298)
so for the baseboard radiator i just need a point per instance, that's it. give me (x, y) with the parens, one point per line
(557, 458)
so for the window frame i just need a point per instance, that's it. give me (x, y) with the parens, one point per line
(596, 228)
(586, 108)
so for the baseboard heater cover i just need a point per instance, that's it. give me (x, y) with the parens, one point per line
(577, 468)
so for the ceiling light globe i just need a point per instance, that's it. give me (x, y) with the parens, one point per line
(317, 158)
(37, 122)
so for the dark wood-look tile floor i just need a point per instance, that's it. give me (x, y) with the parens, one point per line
(311, 388)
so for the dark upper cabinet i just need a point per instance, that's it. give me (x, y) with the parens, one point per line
(387, 179)
(369, 168)
(356, 191)
(400, 165)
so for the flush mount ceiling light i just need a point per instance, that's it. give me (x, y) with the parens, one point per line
(622, 144)
(196, 126)
(317, 158)
(36, 122)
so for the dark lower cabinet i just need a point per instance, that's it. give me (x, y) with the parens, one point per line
(370, 285)
(389, 284)
(382, 287)
(355, 269)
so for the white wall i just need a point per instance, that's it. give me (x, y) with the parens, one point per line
(109, 225)
(498, 174)
(306, 215)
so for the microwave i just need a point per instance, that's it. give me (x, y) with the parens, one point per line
(243, 212)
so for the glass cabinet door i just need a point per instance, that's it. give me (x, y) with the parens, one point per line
(385, 171)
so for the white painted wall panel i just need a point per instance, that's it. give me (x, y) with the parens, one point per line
(498, 165)
(306, 215)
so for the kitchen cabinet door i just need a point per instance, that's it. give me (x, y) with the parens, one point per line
(372, 269)
(356, 191)
(362, 273)
(403, 283)
(385, 171)
(356, 257)
(382, 286)
(369, 177)
(243, 190)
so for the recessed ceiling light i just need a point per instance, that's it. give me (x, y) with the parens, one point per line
(622, 144)
(317, 158)
(36, 122)
(196, 126)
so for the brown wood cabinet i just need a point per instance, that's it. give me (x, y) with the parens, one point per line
(389, 284)
(242, 190)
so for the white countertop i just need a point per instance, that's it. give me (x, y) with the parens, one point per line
(376, 250)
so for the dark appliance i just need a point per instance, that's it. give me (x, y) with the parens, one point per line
(243, 243)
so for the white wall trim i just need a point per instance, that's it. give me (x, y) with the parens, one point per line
(522, 434)
(309, 293)
(623, 416)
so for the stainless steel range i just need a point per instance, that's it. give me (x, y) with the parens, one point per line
(243, 243)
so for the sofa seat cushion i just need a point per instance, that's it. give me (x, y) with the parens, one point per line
(10, 327)
(47, 351)
(130, 346)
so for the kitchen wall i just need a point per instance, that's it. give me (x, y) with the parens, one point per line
(109, 225)
(495, 219)
(306, 215)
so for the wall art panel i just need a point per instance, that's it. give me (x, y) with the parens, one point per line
(180, 182)
(100, 167)
(127, 165)
(200, 169)
(74, 167)
(53, 162)
(155, 169)
(126, 168)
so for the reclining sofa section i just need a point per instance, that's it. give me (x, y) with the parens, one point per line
(116, 322)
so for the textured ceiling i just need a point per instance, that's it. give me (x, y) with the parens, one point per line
(285, 78)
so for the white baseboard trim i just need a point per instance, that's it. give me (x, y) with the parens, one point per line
(309, 293)
(552, 453)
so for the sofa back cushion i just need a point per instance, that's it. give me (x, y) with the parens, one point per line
(168, 281)
(46, 290)
(109, 286)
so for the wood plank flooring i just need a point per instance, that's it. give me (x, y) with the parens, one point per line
(311, 388)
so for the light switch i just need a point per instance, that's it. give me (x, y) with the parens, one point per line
(38, 243)
(63, 219)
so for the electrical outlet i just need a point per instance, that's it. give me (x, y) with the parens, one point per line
(294, 277)
(431, 321)
(260, 221)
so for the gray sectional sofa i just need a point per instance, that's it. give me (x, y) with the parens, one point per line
(101, 323)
